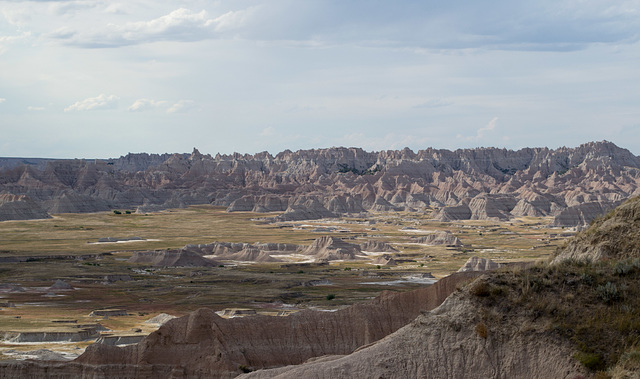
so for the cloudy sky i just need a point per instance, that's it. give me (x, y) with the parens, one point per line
(92, 78)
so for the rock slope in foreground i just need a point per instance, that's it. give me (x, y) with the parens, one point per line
(447, 343)
(614, 236)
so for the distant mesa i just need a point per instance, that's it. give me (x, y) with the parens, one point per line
(385, 260)
(333, 248)
(171, 258)
(60, 285)
(479, 264)
(440, 238)
(374, 246)
(571, 185)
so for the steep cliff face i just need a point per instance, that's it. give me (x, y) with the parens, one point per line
(20, 207)
(483, 183)
(204, 345)
(447, 343)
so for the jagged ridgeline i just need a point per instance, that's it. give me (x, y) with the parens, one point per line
(572, 184)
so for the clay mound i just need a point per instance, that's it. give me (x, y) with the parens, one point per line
(377, 247)
(615, 236)
(171, 258)
(332, 248)
(203, 344)
(20, 207)
(252, 254)
(160, 319)
(492, 207)
(440, 238)
(385, 260)
(582, 214)
(454, 213)
(479, 264)
(60, 285)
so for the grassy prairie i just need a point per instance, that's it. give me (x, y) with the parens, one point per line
(263, 287)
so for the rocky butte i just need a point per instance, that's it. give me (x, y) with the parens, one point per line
(573, 185)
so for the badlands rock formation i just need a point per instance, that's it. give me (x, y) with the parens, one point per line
(616, 236)
(479, 264)
(440, 238)
(377, 247)
(203, 344)
(20, 207)
(482, 183)
(332, 248)
(171, 258)
(447, 343)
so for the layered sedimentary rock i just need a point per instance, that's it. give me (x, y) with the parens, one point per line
(20, 207)
(448, 343)
(377, 247)
(203, 344)
(332, 248)
(582, 214)
(440, 238)
(482, 183)
(479, 264)
(171, 258)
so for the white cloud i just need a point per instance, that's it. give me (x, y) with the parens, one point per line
(146, 104)
(482, 131)
(234, 19)
(93, 103)
(182, 106)
(180, 25)
(17, 16)
(2, 100)
(35, 109)
(7, 40)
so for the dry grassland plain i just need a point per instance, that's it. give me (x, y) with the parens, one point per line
(26, 303)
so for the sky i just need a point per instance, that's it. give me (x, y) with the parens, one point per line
(99, 79)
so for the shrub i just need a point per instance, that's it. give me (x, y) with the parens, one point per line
(608, 293)
(481, 289)
(117, 212)
(127, 212)
(331, 296)
(622, 268)
(481, 329)
(589, 360)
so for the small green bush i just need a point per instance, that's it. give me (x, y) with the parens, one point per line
(117, 212)
(608, 293)
(589, 360)
(331, 296)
